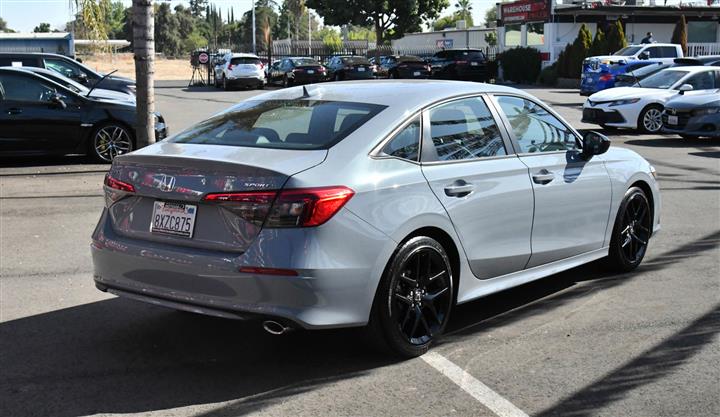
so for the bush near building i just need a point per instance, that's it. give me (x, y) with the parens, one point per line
(520, 65)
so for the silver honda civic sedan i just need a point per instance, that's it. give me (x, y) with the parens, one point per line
(379, 203)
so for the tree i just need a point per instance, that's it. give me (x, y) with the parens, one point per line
(115, 16)
(197, 7)
(451, 21)
(679, 35)
(42, 28)
(144, 54)
(491, 17)
(491, 38)
(167, 37)
(3, 26)
(599, 44)
(616, 37)
(464, 11)
(263, 10)
(393, 17)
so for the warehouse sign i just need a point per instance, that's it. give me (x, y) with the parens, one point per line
(525, 11)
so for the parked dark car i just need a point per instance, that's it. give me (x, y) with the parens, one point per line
(459, 64)
(295, 71)
(41, 117)
(341, 68)
(693, 116)
(69, 68)
(631, 78)
(405, 67)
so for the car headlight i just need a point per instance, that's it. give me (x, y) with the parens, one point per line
(132, 89)
(624, 102)
(706, 111)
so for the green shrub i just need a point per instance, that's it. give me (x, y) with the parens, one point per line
(492, 69)
(548, 76)
(521, 65)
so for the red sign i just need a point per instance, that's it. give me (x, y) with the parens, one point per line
(525, 11)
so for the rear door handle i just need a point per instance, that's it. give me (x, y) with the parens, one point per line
(14, 110)
(543, 177)
(459, 188)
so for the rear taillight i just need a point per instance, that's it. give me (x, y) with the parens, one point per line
(606, 77)
(307, 207)
(230, 67)
(428, 67)
(118, 185)
(348, 68)
(322, 69)
(402, 66)
(298, 70)
(116, 189)
(303, 207)
(260, 65)
(251, 206)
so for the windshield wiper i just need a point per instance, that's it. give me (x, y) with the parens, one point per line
(99, 81)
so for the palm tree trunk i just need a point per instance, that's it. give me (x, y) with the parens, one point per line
(144, 50)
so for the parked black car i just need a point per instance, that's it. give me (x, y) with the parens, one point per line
(296, 70)
(405, 66)
(349, 68)
(631, 78)
(710, 60)
(41, 117)
(67, 67)
(459, 64)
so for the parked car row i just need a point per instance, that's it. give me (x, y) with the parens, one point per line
(53, 105)
(679, 99)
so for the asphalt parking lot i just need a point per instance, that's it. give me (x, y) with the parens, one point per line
(580, 343)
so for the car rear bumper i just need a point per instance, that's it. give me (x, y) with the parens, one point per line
(308, 78)
(334, 287)
(249, 80)
(411, 73)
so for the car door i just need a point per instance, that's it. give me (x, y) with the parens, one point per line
(30, 122)
(485, 189)
(572, 195)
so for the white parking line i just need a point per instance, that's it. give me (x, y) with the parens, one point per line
(481, 392)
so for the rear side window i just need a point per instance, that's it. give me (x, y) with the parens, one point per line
(20, 88)
(19, 62)
(465, 129)
(406, 144)
(668, 51)
(240, 61)
(355, 61)
(282, 124)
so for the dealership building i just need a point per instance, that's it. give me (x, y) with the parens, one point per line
(549, 25)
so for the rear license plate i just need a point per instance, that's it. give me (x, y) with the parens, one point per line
(311, 71)
(474, 64)
(173, 218)
(672, 120)
(361, 69)
(416, 74)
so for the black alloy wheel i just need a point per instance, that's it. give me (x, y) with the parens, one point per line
(414, 299)
(632, 231)
(110, 140)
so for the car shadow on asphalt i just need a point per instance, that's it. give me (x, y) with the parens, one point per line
(674, 142)
(41, 161)
(119, 356)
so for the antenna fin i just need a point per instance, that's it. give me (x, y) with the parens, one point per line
(305, 92)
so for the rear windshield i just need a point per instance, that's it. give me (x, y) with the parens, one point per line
(468, 54)
(410, 58)
(355, 60)
(239, 61)
(304, 61)
(282, 124)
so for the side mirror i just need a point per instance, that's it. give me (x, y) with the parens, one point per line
(57, 100)
(685, 87)
(82, 77)
(594, 143)
(644, 55)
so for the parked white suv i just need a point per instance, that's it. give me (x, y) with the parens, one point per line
(238, 69)
(658, 52)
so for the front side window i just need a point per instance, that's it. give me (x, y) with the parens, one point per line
(405, 144)
(282, 124)
(19, 88)
(663, 79)
(702, 81)
(66, 68)
(535, 129)
(654, 52)
(668, 51)
(465, 129)
(628, 51)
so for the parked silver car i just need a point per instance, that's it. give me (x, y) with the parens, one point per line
(693, 115)
(380, 203)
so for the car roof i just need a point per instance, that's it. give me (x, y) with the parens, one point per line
(654, 44)
(243, 55)
(35, 54)
(393, 92)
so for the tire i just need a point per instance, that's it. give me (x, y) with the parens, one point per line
(225, 84)
(338, 77)
(395, 76)
(650, 120)
(414, 298)
(631, 232)
(110, 140)
(286, 82)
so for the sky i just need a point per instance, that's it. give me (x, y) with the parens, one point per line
(24, 15)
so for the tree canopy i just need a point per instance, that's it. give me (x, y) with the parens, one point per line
(42, 28)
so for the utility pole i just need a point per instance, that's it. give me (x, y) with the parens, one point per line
(309, 33)
(253, 28)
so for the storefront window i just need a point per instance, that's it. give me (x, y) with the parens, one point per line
(702, 32)
(512, 35)
(536, 33)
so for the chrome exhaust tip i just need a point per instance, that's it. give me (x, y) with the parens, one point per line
(276, 328)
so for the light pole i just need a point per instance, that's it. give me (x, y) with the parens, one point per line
(253, 28)
(309, 33)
